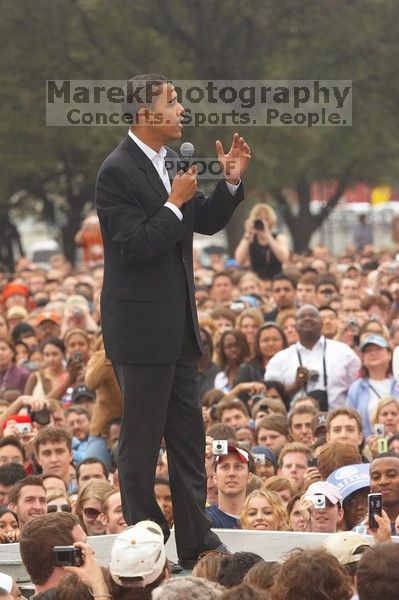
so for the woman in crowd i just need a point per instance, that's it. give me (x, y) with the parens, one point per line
(260, 247)
(233, 350)
(88, 506)
(275, 389)
(52, 379)
(387, 414)
(376, 382)
(298, 515)
(4, 330)
(269, 340)
(263, 511)
(11, 376)
(393, 443)
(9, 527)
(287, 321)
(249, 321)
(57, 501)
(282, 486)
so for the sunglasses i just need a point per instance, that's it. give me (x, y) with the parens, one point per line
(91, 513)
(53, 508)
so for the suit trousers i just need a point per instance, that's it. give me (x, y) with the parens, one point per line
(161, 400)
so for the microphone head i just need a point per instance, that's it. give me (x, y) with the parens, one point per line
(186, 150)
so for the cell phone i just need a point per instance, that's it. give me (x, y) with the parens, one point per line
(258, 225)
(382, 445)
(374, 508)
(312, 462)
(68, 556)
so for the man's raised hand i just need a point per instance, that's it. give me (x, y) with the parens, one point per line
(235, 162)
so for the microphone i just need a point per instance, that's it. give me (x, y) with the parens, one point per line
(186, 152)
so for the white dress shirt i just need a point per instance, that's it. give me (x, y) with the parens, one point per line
(342, 366)
(158, 160)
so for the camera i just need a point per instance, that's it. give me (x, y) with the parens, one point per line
(353, 322)
(220, 447)
(318, 501)
(42, 417)
(379, 429)
(77, 312)
(259, 458)
(23, 428)
(258, 225)
(68, 556)
(312, 462)
(313, 375)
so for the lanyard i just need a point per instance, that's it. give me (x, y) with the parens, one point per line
(324, 366)
(372, 388)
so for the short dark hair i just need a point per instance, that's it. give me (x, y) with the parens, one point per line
(377, 573)
(151, 81)
(92, 460)
(234, 568)
(11, 473)
(285, 277)
(15, 491)
(54, 341)
(38, 539)
(11, 440)
(52, 435)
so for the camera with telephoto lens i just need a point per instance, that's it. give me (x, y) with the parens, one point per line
(258, 225)
(220, 447)
(318, 501)
(68, 556)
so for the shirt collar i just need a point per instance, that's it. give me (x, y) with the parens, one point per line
(150, 152)
(320, 342)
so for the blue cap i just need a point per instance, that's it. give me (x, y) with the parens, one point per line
(350, 478)
(267, 453)
(378, 340)
(231, 262)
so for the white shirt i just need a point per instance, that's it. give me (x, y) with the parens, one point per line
(158, 160)
(342, 366)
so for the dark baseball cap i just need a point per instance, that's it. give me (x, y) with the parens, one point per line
(82, 391)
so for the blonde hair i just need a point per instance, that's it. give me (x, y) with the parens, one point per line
(275, 504)
(264, 210)
(277, 483)
(382, 404)
(94, 489)
(55, 495)
(284, 315)
(253, 313)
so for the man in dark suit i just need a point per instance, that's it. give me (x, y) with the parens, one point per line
(148, 310)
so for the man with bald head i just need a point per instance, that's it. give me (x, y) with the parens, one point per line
(315, 366)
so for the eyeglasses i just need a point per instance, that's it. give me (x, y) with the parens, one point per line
(91, 513)
(53, 508)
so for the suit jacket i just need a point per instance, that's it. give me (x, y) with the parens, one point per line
(148, 270)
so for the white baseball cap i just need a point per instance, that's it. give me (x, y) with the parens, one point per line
(6, 582)
(343, 546)
(138, 552)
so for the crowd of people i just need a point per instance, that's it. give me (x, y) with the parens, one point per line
(299, 388)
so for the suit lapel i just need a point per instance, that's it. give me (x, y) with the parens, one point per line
(144, 163)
